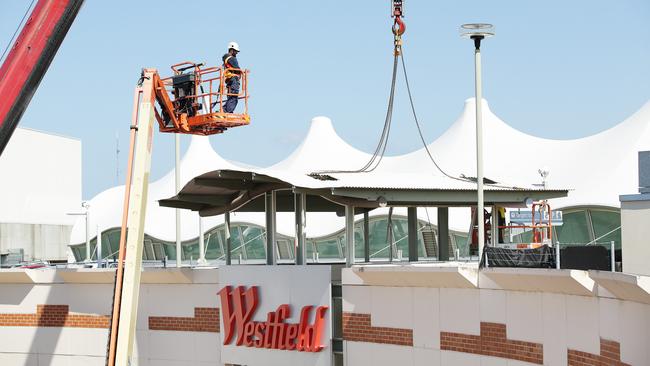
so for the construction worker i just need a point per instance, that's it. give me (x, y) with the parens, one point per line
(231, 74)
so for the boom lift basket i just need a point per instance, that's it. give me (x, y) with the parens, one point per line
(191, 101)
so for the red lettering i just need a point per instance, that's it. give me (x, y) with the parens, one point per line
(269, 330)
(319, 323)
(303, 340)
(259, 334)
(280, 315)
(292, 333)
(248, 333)
(237, 308)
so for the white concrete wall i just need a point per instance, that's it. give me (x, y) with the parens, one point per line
(557, 320)
(41, 178)
(38, 241)
(33, 346)
(635, 236)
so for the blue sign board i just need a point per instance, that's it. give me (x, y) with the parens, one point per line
(526, 217)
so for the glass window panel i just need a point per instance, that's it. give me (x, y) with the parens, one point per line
(574, 229)
(236, 243)
(328, 248)
(170, 251)
(191, 250)
(212, 247)
(461, 243)
(378, 244)
(255, 242)
(607, 226)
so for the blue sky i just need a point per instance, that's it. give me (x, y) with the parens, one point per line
(556, 69)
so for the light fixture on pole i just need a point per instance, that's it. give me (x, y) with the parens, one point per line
(86, 213)
(478, 32)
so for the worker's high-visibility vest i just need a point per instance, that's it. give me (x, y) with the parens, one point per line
(227, 73)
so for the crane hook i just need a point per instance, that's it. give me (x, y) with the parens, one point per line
(398, 27)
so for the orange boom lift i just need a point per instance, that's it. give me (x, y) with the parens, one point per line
(188, 102)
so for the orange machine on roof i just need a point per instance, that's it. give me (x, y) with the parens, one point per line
(191, 100)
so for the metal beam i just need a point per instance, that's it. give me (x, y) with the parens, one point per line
(443, 233)
(270, 199)
(349, 235)
(226, 217)
(234, 184)
(300, 213)
(412, 220)
(445, 197)
(366, 237)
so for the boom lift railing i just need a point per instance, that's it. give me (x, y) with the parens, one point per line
(192, 100)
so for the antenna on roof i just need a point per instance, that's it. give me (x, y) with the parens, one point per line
(117, 158)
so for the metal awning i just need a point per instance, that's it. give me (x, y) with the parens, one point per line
(219, 191)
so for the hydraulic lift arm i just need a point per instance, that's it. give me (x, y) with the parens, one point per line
(30, 57)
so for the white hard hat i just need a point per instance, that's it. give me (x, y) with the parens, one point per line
(234, 46)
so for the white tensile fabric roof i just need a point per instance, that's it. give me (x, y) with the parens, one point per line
(597, 168)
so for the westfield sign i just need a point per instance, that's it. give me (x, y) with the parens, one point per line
(238, 306)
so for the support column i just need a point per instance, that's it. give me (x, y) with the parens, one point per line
(202, 260)
(494, 220)
(412, 215)
(99, 248)
(300, 201)
(177, 185)
(366, 237)
(443, 233)
(269, 209)
(226, 217)
(349, 235)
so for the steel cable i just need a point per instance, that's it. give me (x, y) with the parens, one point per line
(16, 32)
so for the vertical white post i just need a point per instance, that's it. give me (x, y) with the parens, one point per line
(349, 235)
(201, 260)
(613, 255)
(226, 217)
(479, 151)
(99, 247)
(177, 174)
(88, 257)
(557, 256)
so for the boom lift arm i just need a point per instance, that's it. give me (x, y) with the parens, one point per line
(188, 103)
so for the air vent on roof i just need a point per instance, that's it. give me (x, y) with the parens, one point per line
(321, 176)
(485, 180)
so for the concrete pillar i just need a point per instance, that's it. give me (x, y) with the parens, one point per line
(443, 233)
(300, 200)
(228, 241)
(349, 235)
(366, 237)
(412, 215)
(269, 209)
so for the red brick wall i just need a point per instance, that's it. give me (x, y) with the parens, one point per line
(54, 316)
(356, 327)
(493, 342)
(610, 354)
(204, 320)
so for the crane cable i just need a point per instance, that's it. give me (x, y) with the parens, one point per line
(398, 30)
(16, 32)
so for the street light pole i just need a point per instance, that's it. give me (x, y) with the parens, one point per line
(477, 32)
(85, 205)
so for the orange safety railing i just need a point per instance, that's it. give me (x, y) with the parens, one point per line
(203, 112)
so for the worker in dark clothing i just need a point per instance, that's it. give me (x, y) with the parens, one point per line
(231, 75)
